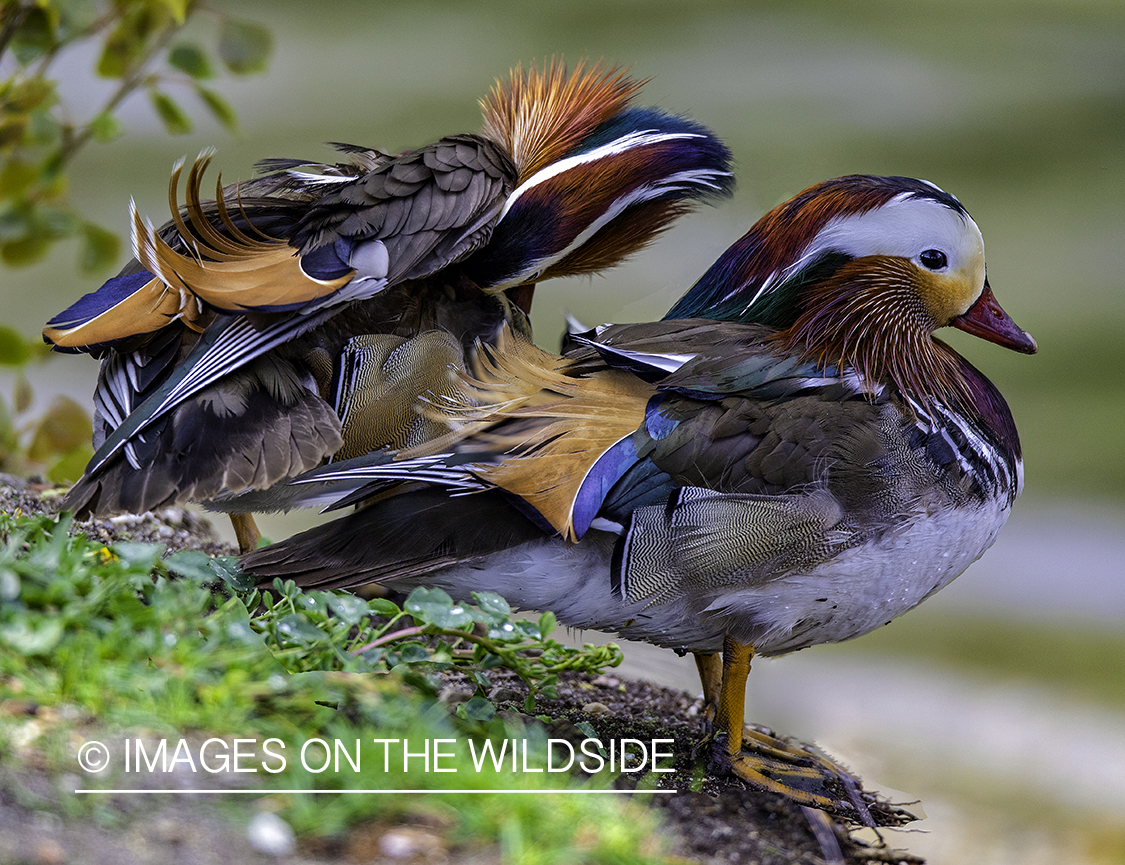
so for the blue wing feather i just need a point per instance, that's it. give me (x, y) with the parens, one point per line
(95, 303)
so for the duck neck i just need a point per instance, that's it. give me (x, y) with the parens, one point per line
(869, 318)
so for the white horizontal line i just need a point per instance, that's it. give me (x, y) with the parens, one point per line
(271, 792)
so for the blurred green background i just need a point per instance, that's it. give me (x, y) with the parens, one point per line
(1018, 108)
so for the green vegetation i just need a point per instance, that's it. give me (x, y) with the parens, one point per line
(55, 442)
(140, 47)
(123, 644)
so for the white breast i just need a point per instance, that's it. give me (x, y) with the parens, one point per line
(864, 587)
(856, 592)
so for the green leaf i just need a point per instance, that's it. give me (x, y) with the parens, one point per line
(547, 623)
(75, 17)
(477, 709)
(348, 608)
(436, 607)
(13, 348)
(122, 47)
(244, 46)
(12, 129)
(65, 426)
(21, 391)
(43, 130)
(175, 121)
(423, 602)
(372, 657)
(505, 633)
(193, 564)
(220, 109)
(71, 466)
(227, 569)
(15, 178)
(32, 639)
(25, 95)
(25, 250)
(100, 249)
(15, 223)
(383, 607)
(57, 221)
(105, 128)
(9, 585)
(314, 605)
(178, 8)
(233, 619)
(413, 653)
(299, 629)
(190, 59)
(138, 556)
(34, 37)
(492, 603)
(9, 440)
(530, 630)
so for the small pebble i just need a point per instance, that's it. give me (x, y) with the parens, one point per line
(48, 851)
(504, 694)
(168, 831)
(452, 695)
(596, 709)
(271, 835)
(408, 843)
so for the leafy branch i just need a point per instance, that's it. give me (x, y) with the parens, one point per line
(55, 443)
(57, 588)
(141, 48)
(332, 630)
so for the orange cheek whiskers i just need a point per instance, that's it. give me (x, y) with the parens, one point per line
(870, 318)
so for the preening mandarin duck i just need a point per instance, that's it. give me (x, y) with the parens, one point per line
(798, 462)
(299, 316)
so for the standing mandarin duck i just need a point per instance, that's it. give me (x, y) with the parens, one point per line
(798, 462)
(298, 317)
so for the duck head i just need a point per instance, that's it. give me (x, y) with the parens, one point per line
(859, 272)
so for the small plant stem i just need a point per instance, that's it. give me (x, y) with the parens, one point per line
(387, 638)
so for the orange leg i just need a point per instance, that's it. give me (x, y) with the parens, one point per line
(246, 532)
(710, 669)
(764, 760)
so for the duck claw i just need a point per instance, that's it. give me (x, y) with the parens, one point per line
(790, 769)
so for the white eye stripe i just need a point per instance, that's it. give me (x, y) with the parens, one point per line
(901, 228)
(904, 227)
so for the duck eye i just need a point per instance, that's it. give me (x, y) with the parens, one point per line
(934, 259)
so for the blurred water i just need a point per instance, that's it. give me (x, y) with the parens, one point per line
(1065, 561)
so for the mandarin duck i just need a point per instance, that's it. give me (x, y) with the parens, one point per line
(790, 458)
(298, 316)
